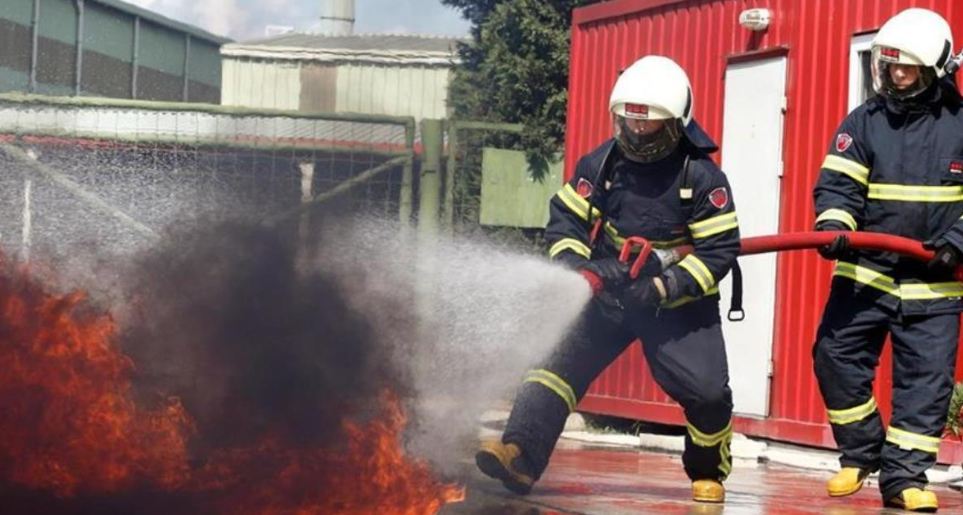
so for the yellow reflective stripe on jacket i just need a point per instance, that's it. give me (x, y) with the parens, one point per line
(929, 291)
(867, 276)
(838, 215)
(576, 203)
(613, 233)
(915, 193)
(853, 169)
(685, 300)
(555, 384)
(572, 244)
(904, 291)
(699, 271)
(850, 415)
(714, 225)
(708, 440)
(618, 240)
(912, 441)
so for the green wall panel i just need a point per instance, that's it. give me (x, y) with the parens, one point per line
(19, 11)
(510, 196)
(13, 80)
(15, 46)
(58, 20)
(161, 49)
(54, 90)
(205, 63)
(109, 32)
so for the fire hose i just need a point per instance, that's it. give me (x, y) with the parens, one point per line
(650, 260)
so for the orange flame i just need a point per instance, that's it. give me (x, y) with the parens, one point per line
(69, 422)
(70, 426)
(370, 474)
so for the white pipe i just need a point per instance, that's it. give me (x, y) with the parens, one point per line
(337, 17)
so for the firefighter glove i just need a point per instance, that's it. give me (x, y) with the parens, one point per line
(613, 273)
(838, 249)
(946, 259)
(644, 293)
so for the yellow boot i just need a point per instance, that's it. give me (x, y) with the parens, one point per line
(505, 463)
(708, 490)
(914, 499)
(847, 481)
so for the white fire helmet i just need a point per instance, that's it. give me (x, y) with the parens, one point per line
(917, 37)
(652, 88)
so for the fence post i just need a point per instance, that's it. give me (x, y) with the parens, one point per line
(450, 171)
(429, 210)
(407, 179)
(429, 199)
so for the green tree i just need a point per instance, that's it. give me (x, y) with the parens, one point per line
(515, 69)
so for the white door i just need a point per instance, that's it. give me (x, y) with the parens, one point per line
(755, 100)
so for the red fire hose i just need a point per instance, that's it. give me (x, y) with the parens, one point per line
(857, 240)
(812, 240)
(778, 243)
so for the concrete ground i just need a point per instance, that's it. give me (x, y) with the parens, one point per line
(591, 481)
(617, 477)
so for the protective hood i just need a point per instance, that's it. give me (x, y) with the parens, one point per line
(699, 139)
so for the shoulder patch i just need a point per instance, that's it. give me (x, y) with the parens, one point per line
(843, 142)
(584, 188)
(719, 197)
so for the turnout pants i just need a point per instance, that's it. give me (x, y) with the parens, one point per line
(686, 353)
(845, 357)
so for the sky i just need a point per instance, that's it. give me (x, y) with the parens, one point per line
(247, 19)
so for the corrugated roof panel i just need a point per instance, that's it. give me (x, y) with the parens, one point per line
(358, 42)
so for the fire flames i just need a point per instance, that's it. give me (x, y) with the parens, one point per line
(70, 426)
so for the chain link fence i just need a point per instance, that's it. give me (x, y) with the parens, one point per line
(490, 193)
(80, 172)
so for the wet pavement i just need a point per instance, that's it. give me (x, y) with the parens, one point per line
(587, 481)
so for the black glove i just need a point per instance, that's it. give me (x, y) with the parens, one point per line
(839, 247)
(613, 273)
(642, 294)
(946, 259)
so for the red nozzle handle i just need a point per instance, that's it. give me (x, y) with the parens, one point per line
(595, 282)
(645, 248)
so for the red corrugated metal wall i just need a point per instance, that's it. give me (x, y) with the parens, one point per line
(702, 36)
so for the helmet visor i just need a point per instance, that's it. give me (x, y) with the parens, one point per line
(646, 141)
(896, 76)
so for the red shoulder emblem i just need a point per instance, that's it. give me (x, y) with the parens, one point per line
(719, 198)
(584, 188)
(843, 142)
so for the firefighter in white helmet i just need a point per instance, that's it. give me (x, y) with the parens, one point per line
(895, 166)
(653, 179)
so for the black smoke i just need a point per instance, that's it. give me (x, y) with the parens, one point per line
(249, 328)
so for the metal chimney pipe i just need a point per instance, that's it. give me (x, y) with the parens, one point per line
(337, 17)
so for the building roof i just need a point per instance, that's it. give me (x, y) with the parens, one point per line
(379, 48)
(164, 21)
